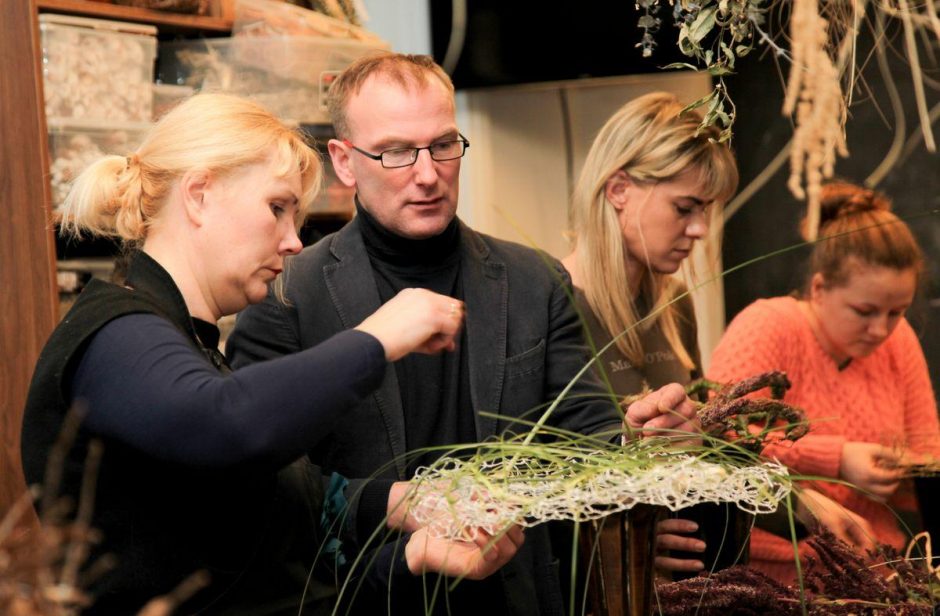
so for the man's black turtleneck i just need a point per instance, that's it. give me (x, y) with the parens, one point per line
(435, 389)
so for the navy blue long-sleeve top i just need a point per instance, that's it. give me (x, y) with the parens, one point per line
(195, 469)
(145, 384)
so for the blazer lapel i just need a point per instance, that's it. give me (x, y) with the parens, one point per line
(486, 293)
(354, 294)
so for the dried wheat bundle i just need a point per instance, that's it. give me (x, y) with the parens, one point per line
(814, 91)
(929, 468)
(45, 563)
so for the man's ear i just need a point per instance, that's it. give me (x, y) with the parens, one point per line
(339, 154)
(617, 189)
(195, 188)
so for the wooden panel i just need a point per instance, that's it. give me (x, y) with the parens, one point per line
(165, 21)
(28, 294)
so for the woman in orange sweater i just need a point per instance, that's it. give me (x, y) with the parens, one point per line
(857, 370)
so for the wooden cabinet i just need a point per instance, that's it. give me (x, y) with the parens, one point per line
(28, 290)
(166, 22)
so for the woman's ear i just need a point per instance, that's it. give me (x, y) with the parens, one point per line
(195, 188)
(339, 154)
(617, 189)
(817, 284)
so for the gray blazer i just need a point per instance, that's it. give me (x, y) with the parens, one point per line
(524, 346)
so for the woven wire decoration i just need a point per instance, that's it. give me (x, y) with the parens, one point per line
(455, 497)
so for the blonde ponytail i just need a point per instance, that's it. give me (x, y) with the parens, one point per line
(104, 201)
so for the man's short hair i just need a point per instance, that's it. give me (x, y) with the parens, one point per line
(406, 70)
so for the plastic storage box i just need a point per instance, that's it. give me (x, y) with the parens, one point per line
(275, 17)
(97, 69)
(287, 74)
(167, 96)
(73, 145)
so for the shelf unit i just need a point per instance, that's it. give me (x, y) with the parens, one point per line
(167, 22)
(29, 299)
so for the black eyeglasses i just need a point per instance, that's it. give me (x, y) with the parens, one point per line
(405, 157)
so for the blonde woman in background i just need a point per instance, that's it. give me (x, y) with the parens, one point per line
(651, 184)
(196, 472)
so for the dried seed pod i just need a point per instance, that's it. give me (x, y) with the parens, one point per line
(729, 410)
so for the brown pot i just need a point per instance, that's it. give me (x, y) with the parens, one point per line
(619, 551)
(726, 531)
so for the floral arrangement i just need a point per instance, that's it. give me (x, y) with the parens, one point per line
(578, 478)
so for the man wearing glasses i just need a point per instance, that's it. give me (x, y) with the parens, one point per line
(398, 145)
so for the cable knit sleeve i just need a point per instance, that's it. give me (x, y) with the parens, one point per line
(757, 340)
(769, 335)
(920, 406)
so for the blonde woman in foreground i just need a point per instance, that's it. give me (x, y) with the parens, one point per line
(196, 471)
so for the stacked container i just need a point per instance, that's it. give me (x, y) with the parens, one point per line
(97, 79)
(286, 69)
(274, 17)
(95, 69)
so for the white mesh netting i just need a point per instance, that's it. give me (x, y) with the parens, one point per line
(456, 497)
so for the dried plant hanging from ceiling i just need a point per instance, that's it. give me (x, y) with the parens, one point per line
(820, 49)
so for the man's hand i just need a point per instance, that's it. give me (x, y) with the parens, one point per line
(473, 560)
(398, 508)
(663, 412)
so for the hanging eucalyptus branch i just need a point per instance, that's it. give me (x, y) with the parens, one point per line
(715, 33)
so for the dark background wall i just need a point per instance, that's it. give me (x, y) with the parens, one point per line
(769, 220)
(511, 42)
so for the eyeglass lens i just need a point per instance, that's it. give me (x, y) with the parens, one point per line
(444, 150)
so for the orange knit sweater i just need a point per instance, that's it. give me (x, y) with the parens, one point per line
(884, 398)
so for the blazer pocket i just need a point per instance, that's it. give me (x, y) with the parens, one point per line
(527, 362)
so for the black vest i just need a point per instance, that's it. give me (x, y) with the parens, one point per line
(162, 521)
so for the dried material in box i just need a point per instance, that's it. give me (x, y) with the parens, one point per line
(272, 17)
(287, 74)
(96, 69)
(73, 147)
(167, 96)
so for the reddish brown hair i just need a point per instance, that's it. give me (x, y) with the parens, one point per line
(858, 223)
